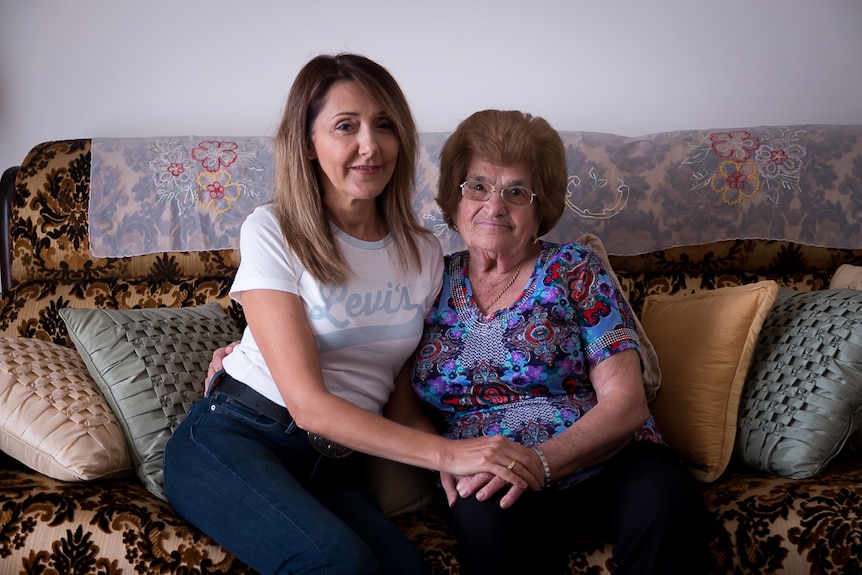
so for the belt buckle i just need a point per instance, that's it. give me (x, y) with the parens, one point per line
(328, 448)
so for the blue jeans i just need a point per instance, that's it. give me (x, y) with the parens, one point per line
(260, 490)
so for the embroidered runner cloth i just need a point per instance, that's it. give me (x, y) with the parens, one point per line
(190, 193)
(638, 194)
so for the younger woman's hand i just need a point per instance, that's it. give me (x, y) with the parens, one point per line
(485, 465)
(218, 356)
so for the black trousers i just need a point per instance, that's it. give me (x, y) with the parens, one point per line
(645, 502)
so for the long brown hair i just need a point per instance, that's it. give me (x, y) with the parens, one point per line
(298, 202)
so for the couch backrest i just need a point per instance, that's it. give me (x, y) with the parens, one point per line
(49, 232)
(52, 267)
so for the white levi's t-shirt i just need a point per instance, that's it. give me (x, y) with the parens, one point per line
(364, 330)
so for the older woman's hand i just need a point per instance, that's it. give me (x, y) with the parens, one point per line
(483, 484)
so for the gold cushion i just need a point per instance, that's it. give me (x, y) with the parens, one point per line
(54, 418)
(705, 344)
(847, 276)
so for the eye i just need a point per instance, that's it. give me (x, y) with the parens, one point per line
(517, 192)
(478, 187)
(344, 126)
(386, 125)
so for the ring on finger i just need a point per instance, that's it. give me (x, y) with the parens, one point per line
(511, 466)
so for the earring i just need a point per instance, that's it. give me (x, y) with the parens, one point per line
(535, 240)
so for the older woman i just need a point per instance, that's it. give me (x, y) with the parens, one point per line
(533, 341)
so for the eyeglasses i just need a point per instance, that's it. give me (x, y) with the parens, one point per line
(482, 192)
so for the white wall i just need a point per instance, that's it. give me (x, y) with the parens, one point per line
(88, 68)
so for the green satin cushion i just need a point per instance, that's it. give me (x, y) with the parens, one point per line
(151, 365)
(803, 396)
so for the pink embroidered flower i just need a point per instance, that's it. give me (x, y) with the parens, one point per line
(214, 155)
(176, 168)
(779, 158)
(216, 190)
(735, 146)
(736, 181)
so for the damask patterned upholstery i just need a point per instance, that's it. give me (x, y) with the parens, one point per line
(53, 268)
(763, 523)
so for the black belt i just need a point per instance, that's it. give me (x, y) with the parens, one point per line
(248, 397)
(251, 399)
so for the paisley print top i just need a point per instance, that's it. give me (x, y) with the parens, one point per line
(523, 372)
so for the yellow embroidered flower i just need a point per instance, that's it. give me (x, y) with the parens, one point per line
(736, 181)
(217, 191)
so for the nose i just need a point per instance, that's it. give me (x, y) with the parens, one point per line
(368, 145)
(496, 203)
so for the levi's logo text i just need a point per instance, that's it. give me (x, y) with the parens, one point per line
(393, 300)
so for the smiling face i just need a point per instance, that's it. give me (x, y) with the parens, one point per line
(495, 225)
(354, 144)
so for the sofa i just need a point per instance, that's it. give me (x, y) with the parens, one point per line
(739, 250)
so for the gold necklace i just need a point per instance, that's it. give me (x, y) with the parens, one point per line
(505, 289)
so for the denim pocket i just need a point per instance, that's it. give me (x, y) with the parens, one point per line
(224, 404)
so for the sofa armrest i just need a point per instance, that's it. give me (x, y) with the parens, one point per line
(7, 194)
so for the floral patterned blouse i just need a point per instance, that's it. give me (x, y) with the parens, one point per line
(523, 372)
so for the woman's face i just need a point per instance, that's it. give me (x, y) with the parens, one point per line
(495, 224)
(355, 145)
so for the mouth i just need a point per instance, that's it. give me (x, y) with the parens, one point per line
(366, 169)
(491, 224)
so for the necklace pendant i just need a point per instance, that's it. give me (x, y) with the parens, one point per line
(505, 289)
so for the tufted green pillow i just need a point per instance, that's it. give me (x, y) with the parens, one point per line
(150, 364)
(803, 396)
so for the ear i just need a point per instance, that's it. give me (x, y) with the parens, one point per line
(538, 225)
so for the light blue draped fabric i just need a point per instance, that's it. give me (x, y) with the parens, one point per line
(190, 193)
(638, 194)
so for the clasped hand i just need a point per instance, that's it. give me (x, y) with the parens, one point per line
(508, 465)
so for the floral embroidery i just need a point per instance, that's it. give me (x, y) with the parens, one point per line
(171, 168)
(736, 181)
(748, 163)
(737, 176)
(184, 193)
(213, 155)
(780, 160)
(735, 146)
(176, 182)
(216, 190)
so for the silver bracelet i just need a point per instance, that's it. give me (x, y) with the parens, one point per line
(545, 465)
